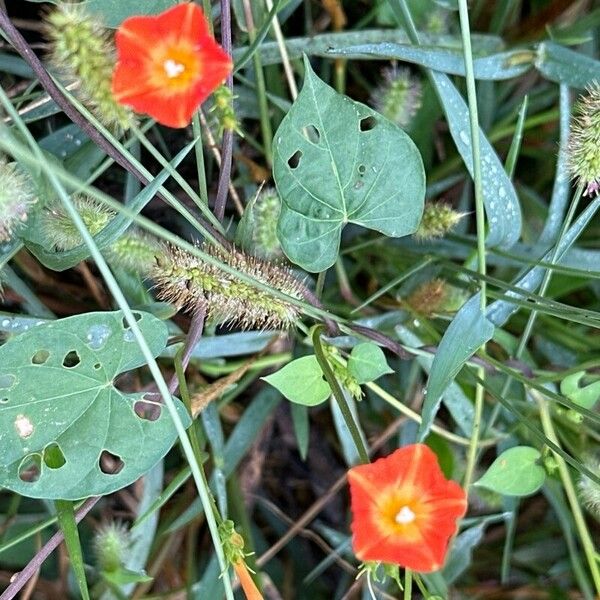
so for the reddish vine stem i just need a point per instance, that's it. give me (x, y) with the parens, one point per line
(21, 578)
(227, 144)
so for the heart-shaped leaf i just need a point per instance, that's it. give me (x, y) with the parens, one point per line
(335, 162)
(516, 472)
(66, 430)
(367, 362)
(301, 381)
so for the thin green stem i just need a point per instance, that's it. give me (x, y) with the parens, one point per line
(66, 519)
(338, 394)
(200, 162)
(480, 221)
(261, 88)
(131, 320)
(185, 186)
(408, 579)
(524, 339)
(565, 476)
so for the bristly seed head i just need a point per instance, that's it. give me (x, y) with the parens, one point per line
(82, 49)
(438, 219)
(398, 98)
(17, 196)
(584, 142)
(190, 283)
(60, 231)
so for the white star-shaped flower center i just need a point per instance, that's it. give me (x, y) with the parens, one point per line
(173, 68)
(404, 516)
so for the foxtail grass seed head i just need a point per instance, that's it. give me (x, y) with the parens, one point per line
(83, 51)
(398, 98)
(589, 491)
(17, 197)
(60, 231)
(190, 283)
(435, 297)
(111, 543)
(264, 234)
(136, 251)
(584, 142)
(438, 219)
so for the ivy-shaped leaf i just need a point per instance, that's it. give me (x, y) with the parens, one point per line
(66, 430)
(336, 162)
(516, 472)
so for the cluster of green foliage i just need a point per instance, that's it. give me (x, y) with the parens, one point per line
(423, 242)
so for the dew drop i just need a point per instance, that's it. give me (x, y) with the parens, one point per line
(97, 336)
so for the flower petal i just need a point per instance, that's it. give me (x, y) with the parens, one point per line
(409, 482)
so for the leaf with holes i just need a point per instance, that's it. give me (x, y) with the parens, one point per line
(66, 430)
(336, 162)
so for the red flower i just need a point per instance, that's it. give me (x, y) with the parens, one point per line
(404, 509)
(168, 64)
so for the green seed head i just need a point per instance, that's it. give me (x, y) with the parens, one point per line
(399, 97)
(61, 233)
(17, 196)
(135, 251)
(188, 282)
(438, 219)
(589, 491)
(264, 234)
(435, 297)
(584, 142)
(111, 543)
(82, 50)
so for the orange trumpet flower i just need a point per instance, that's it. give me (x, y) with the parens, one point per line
(168, 64)
(404, 509)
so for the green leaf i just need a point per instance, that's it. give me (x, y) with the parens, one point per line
(560, 64)
(61, 415)
(583, 396)
(125, 577)
(502, 208)
(59, 261)
(301, 425)
(469, 330)
(336, 162)
(367, 362)
(66, 519)
(113, 12)
(495, 67)
(515, 472)
(301, 381)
